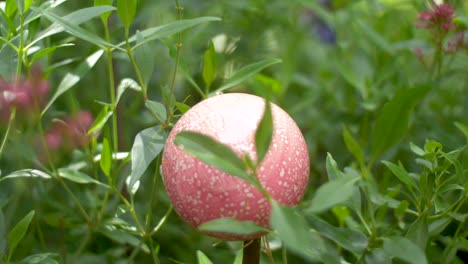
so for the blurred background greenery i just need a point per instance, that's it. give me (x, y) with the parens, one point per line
(342, 60)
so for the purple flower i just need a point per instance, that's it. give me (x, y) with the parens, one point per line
(438, 16)
(27, 95)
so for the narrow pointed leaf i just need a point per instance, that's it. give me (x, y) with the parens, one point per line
(232, 226)
(78, 177)
(169, 29)
(333, 193)
(404, 249)
(213, 153)
(76, 18)
(351, 240)
(202, 258)
(333, 171)
(246, 72)
(264, 133)
(127, 11)
(401, 174)
(41, 258)
(294, 232)
(125, 84)
(46, 51)
(27, 173)
(75, 30)
(74, 77)
(353, 147)
(101, 119)
(17, 233)
(209, 66)
(104, 16)
(392, 121)
(106, 157)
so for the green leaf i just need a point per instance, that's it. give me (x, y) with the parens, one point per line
(353, 147)
(264, 133)
(401, 173)
(392, 121)
(72, 78)
(169, 29)
(74, 29)
(183, 108)
(213, 153)
(463, 127)
(42, 258)
(78, 177)
(352, 240)
(333, 193)
(127, 11)
(202, 258)
(18, 232)
(418, 232)
(157, 109)
(10, 8)
(9, 59)
(417, 150)
(101, 119)
(144, 56)
(146, 147)
(354, 77)
(374, 37)
(106, 157)
(294, 232)
(124, 237)
(184, 71)
(46, 51)
(76, 18)
(209, 66)
(125, 84)
(333, 171)
(404, 249)
(23, 5)
(232, 226)
(246, 72)
(28, 173)
(239, 256)
(3, 232)
(105, 16)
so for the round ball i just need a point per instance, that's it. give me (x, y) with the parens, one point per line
(201, 193)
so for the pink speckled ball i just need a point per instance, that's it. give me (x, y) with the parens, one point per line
(201, 193)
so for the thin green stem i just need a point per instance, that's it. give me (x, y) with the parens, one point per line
(110, 71)
(177, 57)
(162, 221)
(11, 120)
(141, 229)
(144, 90)
(149, 215)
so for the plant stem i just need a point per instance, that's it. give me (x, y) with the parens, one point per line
(110, 71)
(251, 251)
(11, 120)
(176, 66)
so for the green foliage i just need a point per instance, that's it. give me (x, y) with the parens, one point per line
(264, 133)
(17, 233)
(232, 226)
(383, 114)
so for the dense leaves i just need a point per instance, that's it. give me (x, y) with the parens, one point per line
(383, 113)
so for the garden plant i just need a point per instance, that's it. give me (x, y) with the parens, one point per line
(249, 131)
